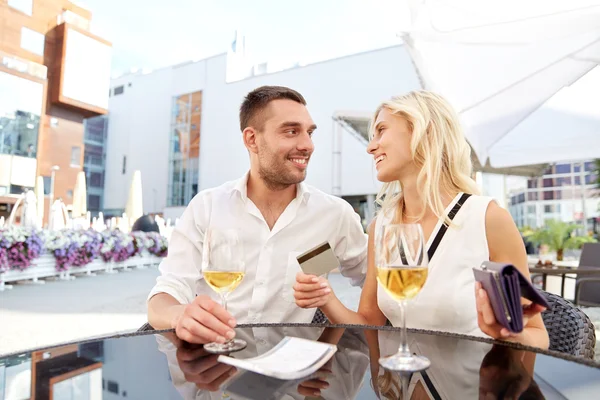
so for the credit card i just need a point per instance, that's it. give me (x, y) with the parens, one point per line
(319, 260)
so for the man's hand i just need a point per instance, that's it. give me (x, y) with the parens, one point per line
(311, 291)
(204, 321)
(203, 369)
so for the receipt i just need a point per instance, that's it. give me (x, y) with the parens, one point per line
(292, 358)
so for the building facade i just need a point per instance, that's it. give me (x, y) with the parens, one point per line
(54, 73)
(94, 161)
(566, 192)
(180, 127)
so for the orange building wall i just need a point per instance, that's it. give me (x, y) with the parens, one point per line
(61, 127)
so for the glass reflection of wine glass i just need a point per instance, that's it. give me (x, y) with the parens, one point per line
(401, 260)
(223, 268)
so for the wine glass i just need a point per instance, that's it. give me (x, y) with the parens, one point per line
(223, 268)
(401, 260)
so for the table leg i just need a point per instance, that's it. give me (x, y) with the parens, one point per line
(544, 281)
(562, 285)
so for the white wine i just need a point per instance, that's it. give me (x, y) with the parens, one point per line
(223, 281)
(402, 283)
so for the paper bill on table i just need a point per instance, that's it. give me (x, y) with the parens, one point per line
(292, 358)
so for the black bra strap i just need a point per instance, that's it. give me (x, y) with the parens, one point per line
(444, 227)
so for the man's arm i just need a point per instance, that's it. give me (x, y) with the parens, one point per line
(179, 271)
(351, 247)
(172, 303)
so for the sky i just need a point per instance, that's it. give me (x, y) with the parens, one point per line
(154, 33)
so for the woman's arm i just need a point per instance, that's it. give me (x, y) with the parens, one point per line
(506, 246)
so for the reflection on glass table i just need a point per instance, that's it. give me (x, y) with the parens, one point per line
(149, 365)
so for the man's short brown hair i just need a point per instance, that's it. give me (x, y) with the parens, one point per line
(257, 100)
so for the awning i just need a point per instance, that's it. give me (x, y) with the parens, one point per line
(500, 62)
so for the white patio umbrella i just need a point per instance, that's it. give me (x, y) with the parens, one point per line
(499, 62)
(58, 218)
(79, 197)
(566, 127)
(39, 195)
(29, 210)
(135, 208)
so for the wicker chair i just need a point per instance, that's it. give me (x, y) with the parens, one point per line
(570, 329)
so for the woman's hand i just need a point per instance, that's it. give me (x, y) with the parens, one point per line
(488, 324)
(311, 291)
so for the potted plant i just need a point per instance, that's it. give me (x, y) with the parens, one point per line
(559, 236)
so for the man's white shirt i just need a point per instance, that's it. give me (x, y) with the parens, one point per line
(266, 293)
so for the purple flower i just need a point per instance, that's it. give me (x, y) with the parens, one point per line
(19, 247)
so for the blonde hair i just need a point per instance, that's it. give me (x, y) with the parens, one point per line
(388, 386)
(438, 146)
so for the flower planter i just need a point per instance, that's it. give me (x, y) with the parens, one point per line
(41, 252)
(42, 267)
(45, 267)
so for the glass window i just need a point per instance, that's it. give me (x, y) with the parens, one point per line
(76, 156)
(532, 183)
(531, 209)
(113, 387)
(70, 194)
(548, 182)
(577, 168)
(97, 179)
(119, 90)
(184, 149)
(590, 166)
(124, 167)
(25, 6)
(591, 179)
(548, 195)
(548, 208)
(532, 196)
(95, 129)
(17, 376)
(20, 109)
(94, 202)
(93, 149)
(563, 181)
(16, 189)
(32, 41)
(563, 168)
(578, 180)
(47, 182)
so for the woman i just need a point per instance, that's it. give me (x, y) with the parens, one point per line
(423, 158)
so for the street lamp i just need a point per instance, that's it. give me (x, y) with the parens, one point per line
(53, 172)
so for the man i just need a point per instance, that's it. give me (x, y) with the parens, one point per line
(279, 217)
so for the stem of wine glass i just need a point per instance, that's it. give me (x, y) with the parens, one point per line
(224, 304)
(223, 299)
(403, 350)
(404, 378)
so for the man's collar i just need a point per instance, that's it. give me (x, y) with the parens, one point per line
(241, 187)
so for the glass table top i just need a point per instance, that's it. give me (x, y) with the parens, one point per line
(156, 365)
